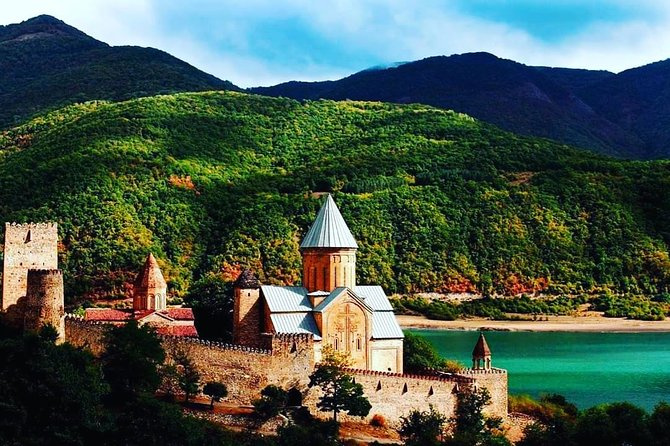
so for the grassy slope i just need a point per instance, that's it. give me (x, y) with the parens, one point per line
(437, 200)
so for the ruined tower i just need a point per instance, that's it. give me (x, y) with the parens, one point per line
(27, 246)
(481, 355)
(247, 309)
(150, 288)
(45, 303)
(328, 252)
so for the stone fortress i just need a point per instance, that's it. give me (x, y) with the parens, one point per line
(278, 332)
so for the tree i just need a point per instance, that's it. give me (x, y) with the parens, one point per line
(340, 392)
(659, 424)
(419, 355)
(615, 423)
(212, 301)
(131, 360)
(187, 374)
(273, 400)
(216, 391)
(422, 428)
(471, 427)
(50, 394)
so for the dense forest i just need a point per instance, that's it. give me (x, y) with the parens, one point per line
(438, 201)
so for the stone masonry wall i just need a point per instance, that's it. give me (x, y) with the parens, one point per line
(247, 316)
(85, 334)
(45, 303)
(289, 359)
(287, 362)
(394, 395)
(27, 246)
(495, 381)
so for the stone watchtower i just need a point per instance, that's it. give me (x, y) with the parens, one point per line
(481, 355)
(27, 246)
(150, 288)
(45, 303)
(328, 252)
(247, 309)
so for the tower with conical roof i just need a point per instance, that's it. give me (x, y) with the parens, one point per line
(481, 355)
(247, 309)
(328, 252)
(150, 288)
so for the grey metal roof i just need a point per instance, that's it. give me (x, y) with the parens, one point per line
(374, 297)
(295, 323)
(282, 299)
(385, 326)
(329, 230)
(335, 294)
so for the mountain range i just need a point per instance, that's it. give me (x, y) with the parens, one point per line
(215, 181)
(45, 63)
(625, 115)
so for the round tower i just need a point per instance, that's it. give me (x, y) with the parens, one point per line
(150, 288)
(481, 355)
(247, 309)
(328, 252)
(45, 302)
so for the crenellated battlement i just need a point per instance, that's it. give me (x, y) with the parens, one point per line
(491, 371)
(216, 345)
(31, 225)
(443, 377)
(45, 272)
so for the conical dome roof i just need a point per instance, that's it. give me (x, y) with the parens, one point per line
(151, 275)
(247, 280)
(481, 348)
(329, 230)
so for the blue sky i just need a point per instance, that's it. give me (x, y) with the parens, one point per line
(263, 42)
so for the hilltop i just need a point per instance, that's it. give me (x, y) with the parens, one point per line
(45, 64)
(438, 201)
(624, 115)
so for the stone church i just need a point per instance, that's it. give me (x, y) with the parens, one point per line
(149, 306)
(330, 306)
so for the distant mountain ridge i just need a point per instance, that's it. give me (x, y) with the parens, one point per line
(625, 115)
(45, 63)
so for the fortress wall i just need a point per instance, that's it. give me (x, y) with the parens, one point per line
(85, 334)
(247, 370)
(495, 381)
(288, 362)
(394, 395)
(243, 370)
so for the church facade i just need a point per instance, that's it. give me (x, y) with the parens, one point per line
(330, 306)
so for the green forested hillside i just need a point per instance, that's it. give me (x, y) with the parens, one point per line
(212, 182)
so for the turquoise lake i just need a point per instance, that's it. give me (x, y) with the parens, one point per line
(587, 368)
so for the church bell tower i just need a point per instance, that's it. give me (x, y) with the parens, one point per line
(328, 252)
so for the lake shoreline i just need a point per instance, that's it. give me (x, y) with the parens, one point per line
(583, 324)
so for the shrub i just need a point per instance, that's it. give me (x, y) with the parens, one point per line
(378, 420)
